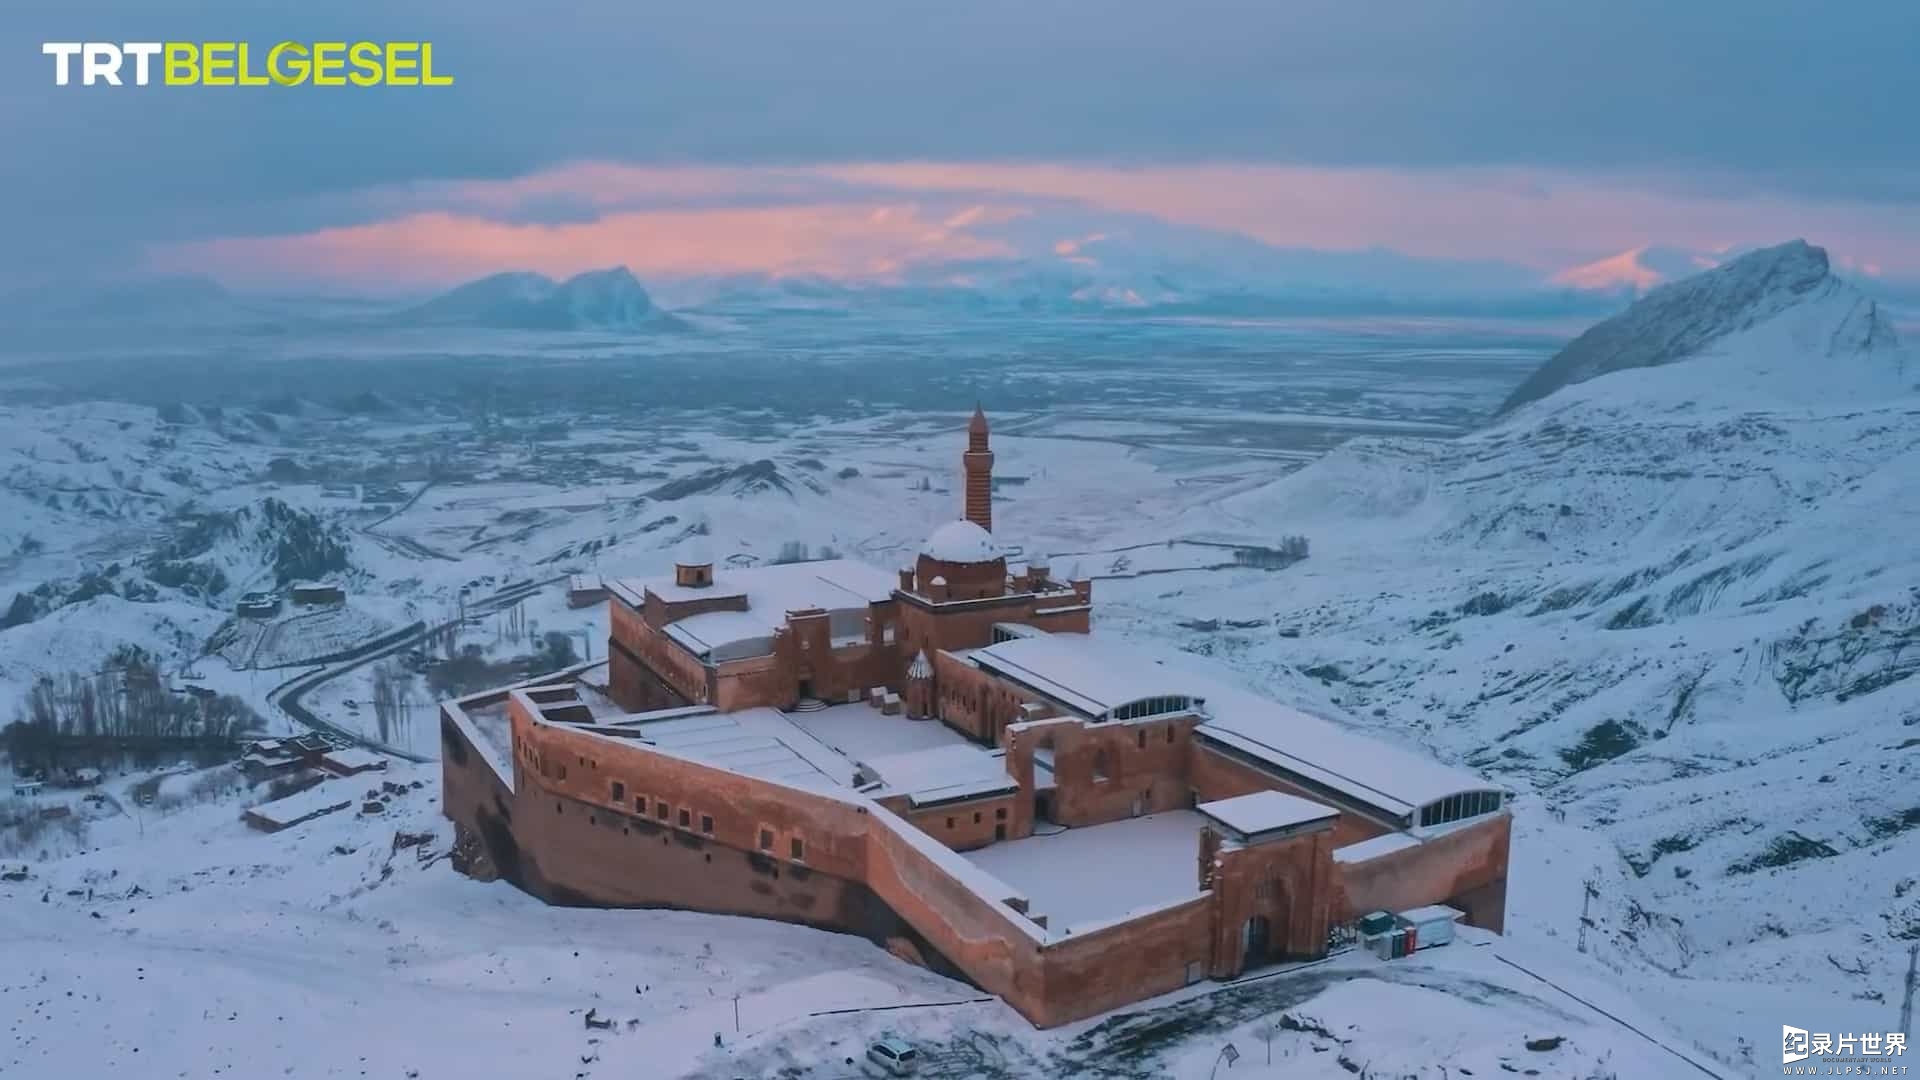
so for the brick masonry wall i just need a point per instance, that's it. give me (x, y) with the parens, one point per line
(669, 662)
(1105, 772)
(972, 701)
(1285, 882)
(565, 833)
(1089, 974)
(659, 612)
(1465, 867)
(979, 934)
(568, 841)
(962, 826)
(480, 805)
(970, 626)
(758, 680)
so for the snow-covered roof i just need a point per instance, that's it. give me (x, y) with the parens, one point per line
(294, 809)
(828, 584)
(1265, 811)
(834, 585)
(754, 742)
(355, 758)
(1367, 771)
(1086, 877)
(1084, 673)
(1092, 676)
(961, 542)
(942, 773)
(725, 634)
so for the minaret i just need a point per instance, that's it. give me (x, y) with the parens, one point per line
(978, 462)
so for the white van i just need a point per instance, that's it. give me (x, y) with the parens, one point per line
(896, 1056)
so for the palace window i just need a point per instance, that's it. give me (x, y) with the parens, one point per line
(686, 819)
(660, 809)
(1155, 706)
(1102, 766)
(797, 848)
(1458, 807)
(766, 839)
(706, 824)
(619, 792)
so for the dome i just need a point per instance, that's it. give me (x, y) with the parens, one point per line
(960, 542)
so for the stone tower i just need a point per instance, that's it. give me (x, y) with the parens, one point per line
(978, 462)
(920, 688)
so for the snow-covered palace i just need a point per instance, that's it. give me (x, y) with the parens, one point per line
(947, 761)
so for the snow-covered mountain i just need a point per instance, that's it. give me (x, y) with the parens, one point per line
(1673, 593)
(1122, 264)
(170, 301)
(1638, 270)
(1821, 335)
(610, 299)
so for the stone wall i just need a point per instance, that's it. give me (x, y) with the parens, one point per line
(667, 661)
(1465, 866)
(971, 701)
(1284, 882)
(1094, 971)
(1117, 769)
(966, 825)
(596, 820)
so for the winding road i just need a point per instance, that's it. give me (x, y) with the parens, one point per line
(286, 697)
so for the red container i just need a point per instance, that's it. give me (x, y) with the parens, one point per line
(1413, 938)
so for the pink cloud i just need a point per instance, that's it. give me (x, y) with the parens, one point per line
(1543, 220)
(878, 220)
(433, 249)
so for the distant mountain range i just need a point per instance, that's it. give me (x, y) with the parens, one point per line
(1150, 269)
(611, 299)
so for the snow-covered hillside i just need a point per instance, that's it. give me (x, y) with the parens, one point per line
(1680, 602)
(1814, 322)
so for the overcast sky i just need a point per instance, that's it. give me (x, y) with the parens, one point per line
(857, 136)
